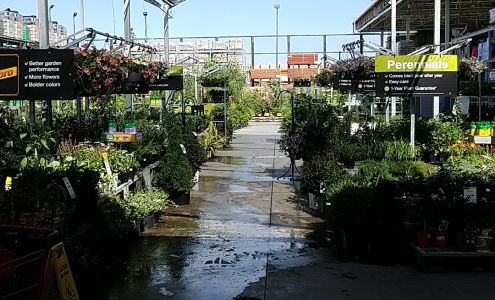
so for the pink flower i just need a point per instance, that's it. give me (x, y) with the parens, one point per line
(86, 71)
(108, 82)
(113, 61)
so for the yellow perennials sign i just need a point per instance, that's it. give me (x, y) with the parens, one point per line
(416, 63)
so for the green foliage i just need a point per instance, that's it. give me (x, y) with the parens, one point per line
(212, 140)
(38, 147)
(242, 111)
(324, 78)
(320, 170)
(142, 203)
(196, 153)
(174, 174)
(229, 75)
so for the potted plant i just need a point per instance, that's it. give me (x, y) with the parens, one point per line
(175, 175)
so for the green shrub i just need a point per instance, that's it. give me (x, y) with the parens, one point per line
(175, 175)
(320, 170)
(143, 203)
(196, 153)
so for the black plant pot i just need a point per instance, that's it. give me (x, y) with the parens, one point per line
(182, 198)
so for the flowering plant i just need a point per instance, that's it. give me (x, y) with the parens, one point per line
(98, 72)
(356, 68)
(471, 67)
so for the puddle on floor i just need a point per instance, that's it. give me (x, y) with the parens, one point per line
(203, 268)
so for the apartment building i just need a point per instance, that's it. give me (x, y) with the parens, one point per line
(11, 23)
(26, 28)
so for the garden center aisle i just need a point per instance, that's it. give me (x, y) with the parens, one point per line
(223, 241)
(222, 246)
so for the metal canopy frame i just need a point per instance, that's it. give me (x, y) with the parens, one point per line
(463, 13)
(89, 35)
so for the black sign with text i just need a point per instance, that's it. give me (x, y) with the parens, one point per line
(361, 86)
(36, 74)
(172, 83)
(417, 84)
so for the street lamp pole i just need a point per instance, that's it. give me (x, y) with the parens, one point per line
(50, 13)
(74, 15)
(145, 14)
(277, 7)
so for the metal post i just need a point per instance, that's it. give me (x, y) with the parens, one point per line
(43, 12)
(183, 112)
(361, 44)
(50, 13)
(277, 7)
(252, 52)
(166, 42)
(408, 28)
(394, 26)
(479, 97)
(288, 54)
(225, 104)
(413, 121)
(437, 42)
(447, 21)
(387, 111)
(82, 14)
(145, 14)
(74, 15)
(128, 37)
(349, 100)
(324, 51)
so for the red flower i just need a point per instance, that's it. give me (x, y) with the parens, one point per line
(108, 82)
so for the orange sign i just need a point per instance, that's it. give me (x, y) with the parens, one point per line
(8, 73)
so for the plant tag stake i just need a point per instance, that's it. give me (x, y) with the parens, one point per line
(183, 149)
(470, 194)
(8, 183)
(69, 187)
(106, 162)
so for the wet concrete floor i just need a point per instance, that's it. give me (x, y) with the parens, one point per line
(222, 246)
(226, 239)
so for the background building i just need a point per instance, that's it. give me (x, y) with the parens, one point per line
(26, 28)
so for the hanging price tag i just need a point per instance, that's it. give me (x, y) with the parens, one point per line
(69, 188)
(106, 162)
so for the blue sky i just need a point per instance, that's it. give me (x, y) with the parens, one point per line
(217, 17)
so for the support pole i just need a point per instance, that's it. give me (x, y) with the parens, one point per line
(393, 33)
(325, 51)
(447, 21)
(437, 42)
(252, 52)
(408, 28)
(127, 36)
(82, 14)
(43, 12)
(413, 121)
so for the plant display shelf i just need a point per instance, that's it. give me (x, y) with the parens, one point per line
(482, 140)
(124, 187)
(440, 260)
